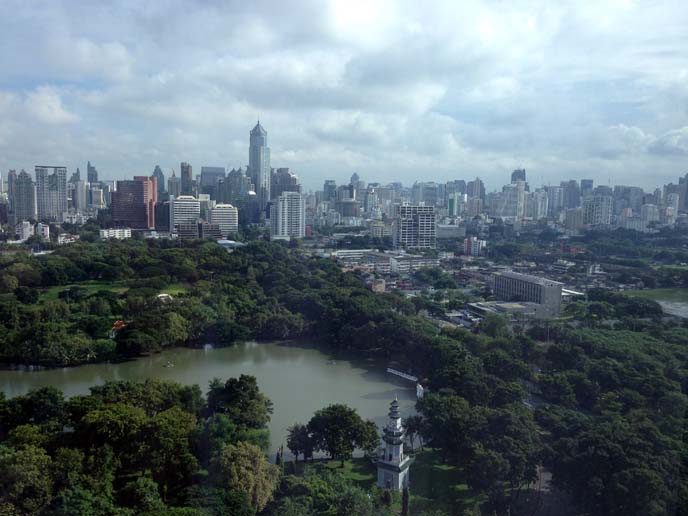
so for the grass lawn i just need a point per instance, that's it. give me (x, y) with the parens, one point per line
(435, 485)
(360, 471)
(675, 295)
(92, 287)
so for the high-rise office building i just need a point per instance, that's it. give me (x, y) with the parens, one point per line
(414, 227)
(476, 189)
(91, 173)
(51, 192)
(22, 197)
(185, 209)
(11, 179)
(586, 186)
(186, 172)
(160, 178)
(259, 164)
(597, 210)
(518, 175)
(572, 194)
(174, 186)
(133, 203)
(288, 217)
(80, 195)
(282, 180)
(330, 190)
(226, 217)
(210, 177)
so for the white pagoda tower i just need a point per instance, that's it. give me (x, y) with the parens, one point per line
(393, 467)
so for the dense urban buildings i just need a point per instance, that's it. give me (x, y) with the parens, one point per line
(226, 217)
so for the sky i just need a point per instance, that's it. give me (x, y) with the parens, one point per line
(392, 90)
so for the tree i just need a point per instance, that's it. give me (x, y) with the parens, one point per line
(369, 440)
(241, 400)
(25, 484)
(414, 426)
(168, 453)
(244, 467)
(337, 429)
(299, 441)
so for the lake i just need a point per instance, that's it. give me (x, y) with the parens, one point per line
(297, 378)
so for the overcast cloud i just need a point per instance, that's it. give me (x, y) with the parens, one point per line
(392, 90)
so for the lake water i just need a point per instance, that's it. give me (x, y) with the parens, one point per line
(298, 379)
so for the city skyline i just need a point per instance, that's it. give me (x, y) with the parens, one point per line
(580, 91)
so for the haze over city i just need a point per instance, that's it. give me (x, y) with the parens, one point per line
(390, 90)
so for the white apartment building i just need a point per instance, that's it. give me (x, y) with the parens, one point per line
(288, 217)
(119, 234)
(184, 209)
(226, 216)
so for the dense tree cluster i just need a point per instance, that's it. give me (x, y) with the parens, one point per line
(130, 448)
(598, 399)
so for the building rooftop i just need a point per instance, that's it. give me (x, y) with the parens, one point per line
(528, 277)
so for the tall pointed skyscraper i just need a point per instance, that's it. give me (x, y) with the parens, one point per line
(259, 165)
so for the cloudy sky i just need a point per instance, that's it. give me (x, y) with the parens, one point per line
(392, 90)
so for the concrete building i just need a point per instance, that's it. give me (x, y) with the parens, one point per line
(473, 246)
(226, 217)
(51, 192)
(185, 209)
(288, 217)
(513, 286)
(43, 230)
(119, 234)
(597, 210)
(22, 197)
(414, 227)
(393, 465)
(24, 230)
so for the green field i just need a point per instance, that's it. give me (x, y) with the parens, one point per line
(673, 295)
(91, 287)
(434, 485)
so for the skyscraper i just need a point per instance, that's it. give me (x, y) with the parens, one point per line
(51, 192)
(281, 180)
(133, 203)
(22, 197)
(187, 178)
(158, 174)
(330, 190)
(476, 189)
(174, 186)
(91, 173)
(518, 175)
(288, 217)
(259, 164)
(184, 210)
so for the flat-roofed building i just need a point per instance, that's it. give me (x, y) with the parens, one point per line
(514, 286)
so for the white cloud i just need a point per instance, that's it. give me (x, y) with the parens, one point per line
(396, 89)
(45, 104)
